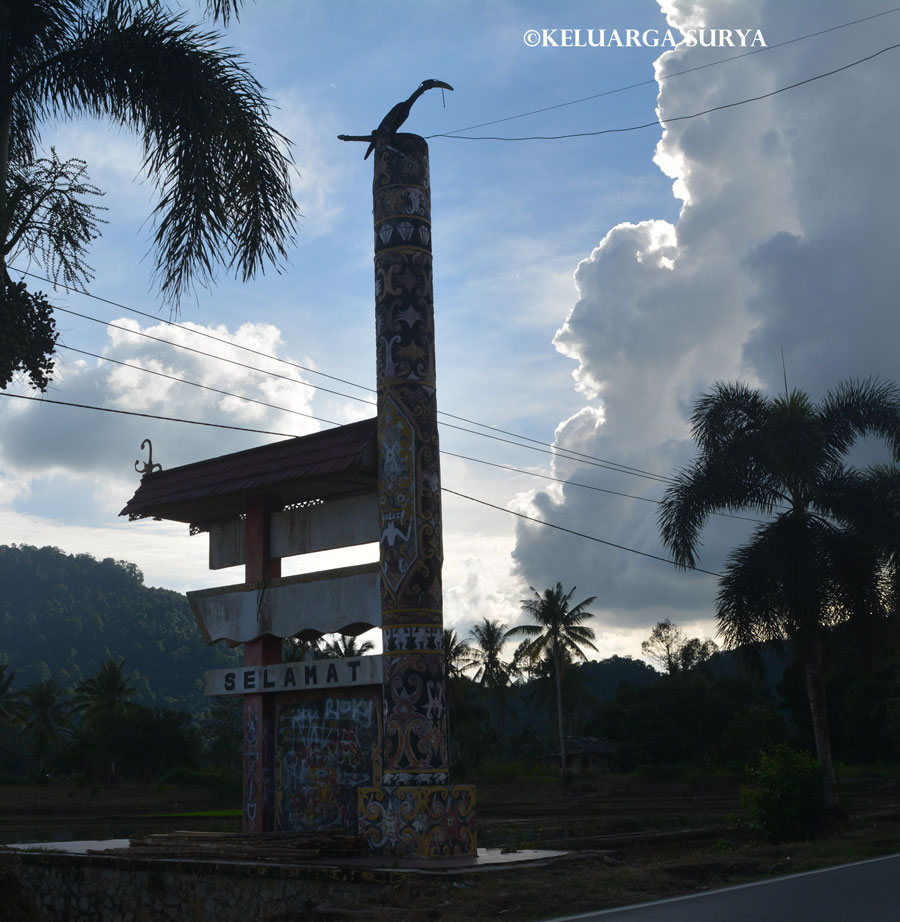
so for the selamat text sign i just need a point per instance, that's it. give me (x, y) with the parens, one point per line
(303, 676)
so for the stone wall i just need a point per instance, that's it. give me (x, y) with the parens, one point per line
(97, 888)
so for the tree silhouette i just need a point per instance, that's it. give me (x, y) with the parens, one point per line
(457, 654)
(47, 717)
(558, 630)
(221, 169)
(12, 707)
(342, 645)
(827, 552)
(104, 693)
(668, 646)
(490, 669)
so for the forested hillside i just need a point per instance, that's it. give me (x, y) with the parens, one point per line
(62, 616)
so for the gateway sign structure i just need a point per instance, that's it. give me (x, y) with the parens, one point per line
(360, 744)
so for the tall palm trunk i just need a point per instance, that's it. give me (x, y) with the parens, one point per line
(559, 713)
(815, 690)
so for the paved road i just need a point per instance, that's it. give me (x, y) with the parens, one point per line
(868, 891)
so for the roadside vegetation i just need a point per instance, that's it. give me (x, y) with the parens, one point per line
(719, 765)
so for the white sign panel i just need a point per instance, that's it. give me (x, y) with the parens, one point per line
(303, 676)
(347, 600)
(337, 523)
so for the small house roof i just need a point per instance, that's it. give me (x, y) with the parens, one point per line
(327, 464)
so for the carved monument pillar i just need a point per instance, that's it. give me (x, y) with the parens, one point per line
(416, 741)
(415, 811)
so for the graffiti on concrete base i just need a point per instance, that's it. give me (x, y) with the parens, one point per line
(325, 748)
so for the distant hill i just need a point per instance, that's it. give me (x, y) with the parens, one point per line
(602, 679)
(61, 616)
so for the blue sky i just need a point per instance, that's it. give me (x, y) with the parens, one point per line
(587, 289)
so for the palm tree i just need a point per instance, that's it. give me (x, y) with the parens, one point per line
(821, 555)
(490, 670)
(295, 650)
(101, 696)
(457, 658)
(47, 712)
(345, 645)
(559, 631)
(221, 169)
(12, 708)
(457, 654)
(104, 693)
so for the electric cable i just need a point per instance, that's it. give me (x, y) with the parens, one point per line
(559, 450)
(205, 387)
(168, 419)
(579, 534)
(330, 422)
(679, 73)
(675, 118)
(553, 450)
(584, 486)
(221, 358)
(194, 422)
(183, 326)
(556, 450)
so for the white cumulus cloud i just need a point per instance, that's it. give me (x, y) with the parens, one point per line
(785, 241)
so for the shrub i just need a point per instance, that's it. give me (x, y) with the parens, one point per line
(785, 804)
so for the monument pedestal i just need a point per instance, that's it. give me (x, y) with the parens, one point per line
(418, 821)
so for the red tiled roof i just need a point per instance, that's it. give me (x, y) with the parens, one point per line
(334, 462)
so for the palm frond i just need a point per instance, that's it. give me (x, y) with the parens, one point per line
(223, 172)
(858, 408)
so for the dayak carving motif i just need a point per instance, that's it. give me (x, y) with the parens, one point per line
(416, 749)
(425, 821)
(398, 495)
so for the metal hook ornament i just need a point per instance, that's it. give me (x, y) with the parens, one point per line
(149, 467)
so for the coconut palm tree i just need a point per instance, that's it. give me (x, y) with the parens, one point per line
(490, 669)
(295, 650)
(829, 540)
(558, 631)
(457, 658)
(98, 698)
(342, 645)
(11, 705)
(47, 716)
(221, 169)
(104, 693)
(457, 654)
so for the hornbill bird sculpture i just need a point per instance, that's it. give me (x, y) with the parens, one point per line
(398, 115)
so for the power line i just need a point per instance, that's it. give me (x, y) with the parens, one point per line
(584, 486)
(320, 419)
(677, 118)
(168, 419)
(553, 450)
(679, 73)
(205, 387)
(272, 406)
(578, 534)
(559, 450)
(220, 358)
(185, 327)
(194, 422)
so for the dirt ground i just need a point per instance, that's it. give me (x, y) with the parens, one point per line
(628, 840)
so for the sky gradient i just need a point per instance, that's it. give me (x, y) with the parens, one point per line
(587, 289)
